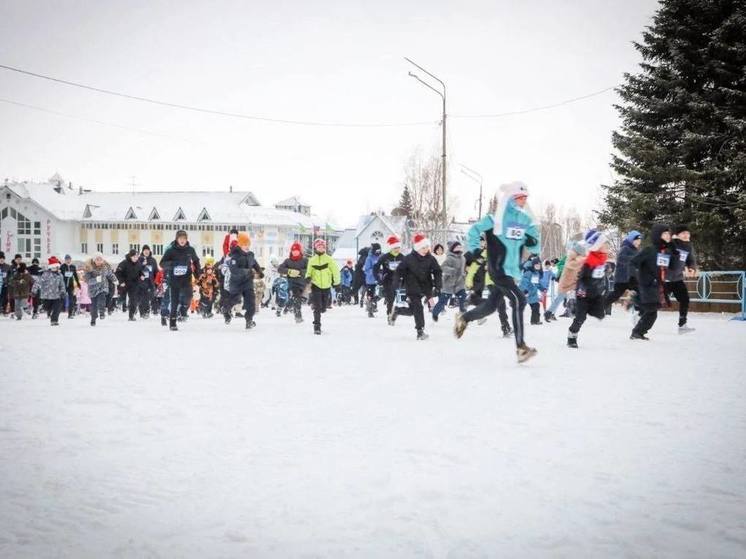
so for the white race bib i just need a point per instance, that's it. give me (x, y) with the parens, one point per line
(180, 270)
(664, 259)
(146, 275)
(393, 265)
(598, 272)
(68, 274)
(99, 279)
(535, 280)
(683, 255)
(515, 233)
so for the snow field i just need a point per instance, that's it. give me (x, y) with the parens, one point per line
(126, 440)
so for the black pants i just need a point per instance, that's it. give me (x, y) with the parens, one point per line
(145, 298)
(535, 313)
(415, 309)
(320, 299)
(389, 295)
(249, 301)
(72, 301)
(178, 293)
(205, 304)
(503, 287)
(678, 289)
(53, 307)
(619, 289)
(593, 306)
(485, 307)
(649, 313)
(4, 297)
(296, 299)
(131, 292)
(98, 306)
(35, 301)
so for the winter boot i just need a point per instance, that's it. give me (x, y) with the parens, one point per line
(507, 331)
(421, 335)
(572, 340)
(298, 319)
(525, 353)
(164, 321)
(637, 336)
(435, 317)
(172, 325)
(459, 325)
(250, 324)
(35, 315)
(684, 329)
(549, 317)
(317, 329)
(55, 323)
(131, 319)
(227, 318)
(93, 321)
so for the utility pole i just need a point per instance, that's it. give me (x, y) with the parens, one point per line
(473, 175)
(133, 184)
(443, 126)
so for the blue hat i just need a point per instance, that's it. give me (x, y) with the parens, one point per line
(591, 237)
(68, 257)
(633, 235)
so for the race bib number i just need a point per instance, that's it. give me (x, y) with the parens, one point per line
(664, 260)
(99, 279)
(393, 265)
(598, 272)
(515, 233)
(180, 270)
(535, 280)
(68, 274)
(683, 255)
(401, 299)
(146, 275)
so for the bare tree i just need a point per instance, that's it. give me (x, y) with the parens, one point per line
(422, 179)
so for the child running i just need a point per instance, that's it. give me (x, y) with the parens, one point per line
(323, 273)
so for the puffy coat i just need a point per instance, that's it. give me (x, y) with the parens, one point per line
(650, 266)
(241, 267)
(623, 271)
(385, 267)
(295, 271)
(531, 283)
(419, 275)
(70, 276)
(180, 263)
(454, 273)
(569, 278)
(685, 259)
(98, 278)
(370, 264)
(346, 275)
(19, 286)
(129, 273)
(592, 279)
(50, 285)
(149, 268)
(323, 271)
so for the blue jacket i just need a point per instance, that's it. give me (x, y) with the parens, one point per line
(370, 262)
(623, 272)
(518, 229)
(346, 276)
(531, 283)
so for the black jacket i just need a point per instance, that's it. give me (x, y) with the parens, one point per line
(386, 266)
(419, 275)
(149, 268)
(592, 280)
(179, 263)
(34, 270)
(70, 276)
(685, 258)
(241, 267)
(295, 271)
(129, 273)
(623, 272)
(650, 266)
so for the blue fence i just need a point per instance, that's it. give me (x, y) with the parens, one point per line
(727, 288)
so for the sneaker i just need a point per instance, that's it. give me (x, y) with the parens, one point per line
(435, 317)
(298, 319)
(172, 325)
(164, 321)
(524, 353)
(549, 317)
(93, 323)
(132, 319)
(685, 329)
(536, 322)
(421, 335)
(101, 316)
(572, 341)
(55, 323)
(250, 324)
(459, 325)
(227, 319)
(35, 316)
(317, 329)
(636, 336)
(507, 331)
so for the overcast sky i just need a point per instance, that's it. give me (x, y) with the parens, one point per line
(316, 61)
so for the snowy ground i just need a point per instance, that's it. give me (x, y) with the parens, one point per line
(130, 441)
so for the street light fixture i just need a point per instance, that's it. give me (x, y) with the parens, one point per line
(443, 126)
(473, 175)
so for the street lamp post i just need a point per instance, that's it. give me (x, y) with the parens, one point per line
(443, 126)
(473, 175)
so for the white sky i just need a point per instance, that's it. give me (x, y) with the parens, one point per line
(321, 61)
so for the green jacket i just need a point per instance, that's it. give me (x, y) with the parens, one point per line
(323, 271)
(474, 267)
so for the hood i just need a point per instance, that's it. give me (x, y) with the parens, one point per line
(296, 246)
(656, 232)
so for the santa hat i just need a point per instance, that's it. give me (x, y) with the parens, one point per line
(243, 240)
(393, 242)
(421, 241)
(53, 261)
(319, 245)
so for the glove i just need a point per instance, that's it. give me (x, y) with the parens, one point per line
(530, 241)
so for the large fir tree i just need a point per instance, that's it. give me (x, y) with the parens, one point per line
(682, 145)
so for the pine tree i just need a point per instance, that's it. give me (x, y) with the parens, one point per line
(682, 144)
(406, 207)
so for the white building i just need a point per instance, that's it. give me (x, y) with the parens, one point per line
(44, 219)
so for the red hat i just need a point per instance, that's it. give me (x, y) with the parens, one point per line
(296, 246)
(421, 241)
(393, 242)
(53, 261)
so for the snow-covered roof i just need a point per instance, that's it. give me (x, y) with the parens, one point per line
(293, 201)
(233, 208)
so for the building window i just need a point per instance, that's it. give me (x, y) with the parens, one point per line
(208, 251)
(115, 248)
(135, 247)
(99, 247)
(24, 247)
(37, 227)
(158, 250)
(84, 248)
(24, 225)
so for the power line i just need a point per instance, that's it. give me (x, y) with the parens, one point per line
(216, 112)
(92, 120)
(289, 121)
(536, 109)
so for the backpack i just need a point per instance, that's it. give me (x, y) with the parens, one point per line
(280, 289)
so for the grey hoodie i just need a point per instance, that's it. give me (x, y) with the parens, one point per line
(454, 273)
